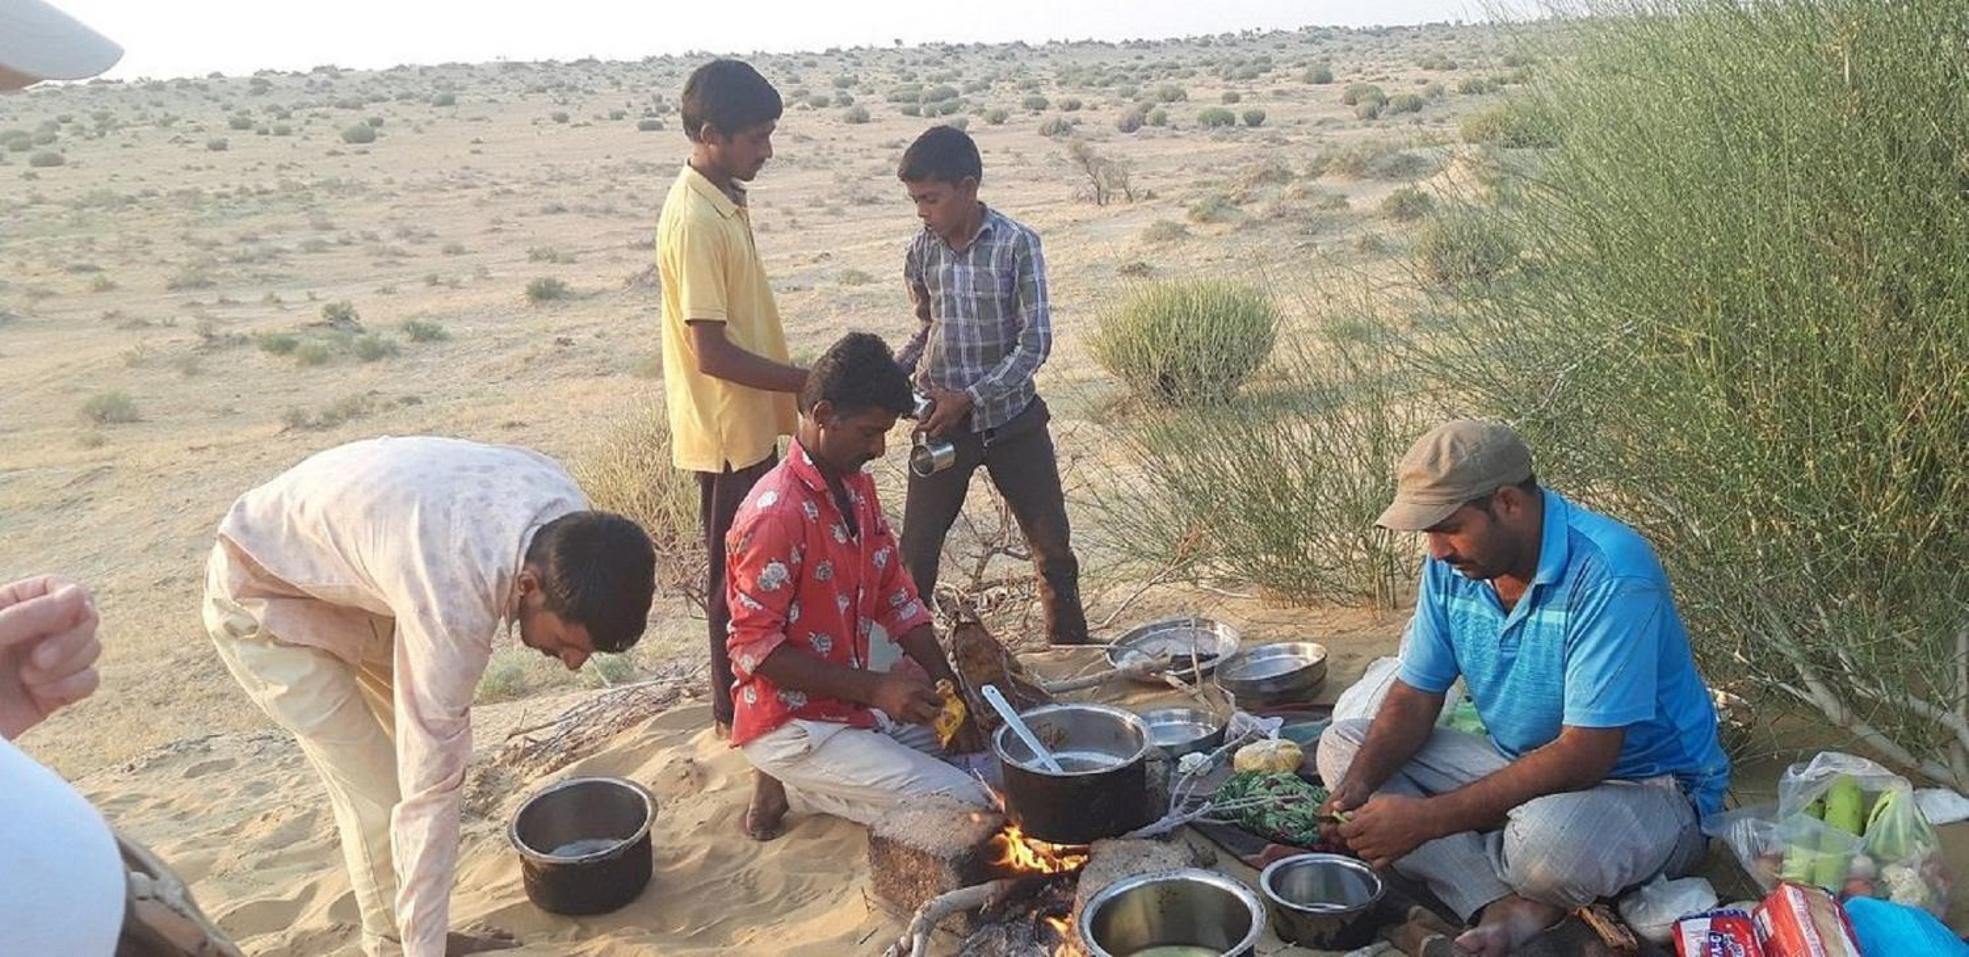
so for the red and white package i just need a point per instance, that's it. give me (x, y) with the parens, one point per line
(1798, 921)
(1718, 933)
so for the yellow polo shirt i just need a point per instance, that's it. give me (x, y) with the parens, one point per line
(711, 273)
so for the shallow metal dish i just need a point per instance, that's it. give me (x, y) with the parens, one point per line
(1173, 638)
(1180, 731)
(1273, 673)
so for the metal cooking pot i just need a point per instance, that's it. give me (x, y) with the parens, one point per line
(1103, 790)
(1322, 901)
(1185, 910)
(584, 844)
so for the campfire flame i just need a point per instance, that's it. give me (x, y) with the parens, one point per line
(1026, 855)
(1060, 927)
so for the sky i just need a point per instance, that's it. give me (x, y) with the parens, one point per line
(169, 38)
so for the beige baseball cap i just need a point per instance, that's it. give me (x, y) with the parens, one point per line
(1452, 464)
(39, 42)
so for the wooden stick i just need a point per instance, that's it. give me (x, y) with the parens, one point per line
(916, 940)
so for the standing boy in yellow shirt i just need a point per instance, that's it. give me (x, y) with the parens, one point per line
(727, 379)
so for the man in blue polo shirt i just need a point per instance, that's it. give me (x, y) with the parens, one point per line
(1600, 754)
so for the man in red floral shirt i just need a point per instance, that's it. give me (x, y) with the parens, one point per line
(813, 573)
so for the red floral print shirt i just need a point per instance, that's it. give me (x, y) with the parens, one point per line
(796, 573)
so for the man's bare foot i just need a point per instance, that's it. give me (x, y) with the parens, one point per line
(1507, 923)
(723, 729)
(762, 819)
(459, 945)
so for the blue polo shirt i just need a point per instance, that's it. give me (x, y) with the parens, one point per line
(1594, 643)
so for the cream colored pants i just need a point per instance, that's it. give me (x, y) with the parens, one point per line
(855, 773)
(343, 718)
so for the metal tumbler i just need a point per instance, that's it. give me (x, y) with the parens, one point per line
(929, 456)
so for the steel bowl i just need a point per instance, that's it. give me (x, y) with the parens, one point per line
(1173, 638)
(1322, 901)
(1273, 673)
(1180, 731)
(584, 844)
(1102, 787)
(1190, 908)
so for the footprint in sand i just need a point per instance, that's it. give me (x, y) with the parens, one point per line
(264, 916)
(214, 766)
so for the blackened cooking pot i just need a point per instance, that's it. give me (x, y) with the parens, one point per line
(1102, 790)
(584, 844)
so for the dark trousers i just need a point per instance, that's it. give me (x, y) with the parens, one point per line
(719, 495)
(1019, 458)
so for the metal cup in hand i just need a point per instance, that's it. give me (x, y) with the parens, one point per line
(929, 456)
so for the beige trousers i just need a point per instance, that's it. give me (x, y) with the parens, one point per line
(854, 773)
(345, 722)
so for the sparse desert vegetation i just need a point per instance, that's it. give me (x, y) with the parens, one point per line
(1274, 257)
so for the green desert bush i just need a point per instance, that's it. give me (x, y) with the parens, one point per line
(546, 289)
(1406, 103)
(628, 470)
(1070, 104)
(1476, 86)
(1164, 231)
(855, 114)
(372, 347)
(341, 313)
(278, 343)
(109, 408)
(1752, 347)
(1319, 74)
(1189, 341)
(1356, 93)
(1158, 117)
(314, 352)
(648, 124)
(1279, 487)
(1407, 204)
(1056, 126)
(1464, 246)
(424, 330)
(217, 144)
(1253, 117)
(240, 122)
(359, 134)
(1170, 93)
(1216, 116)
(1035, 103)
(1230, 97)
(997, 115)
(1515, 124)
(1131, 120)
(45, 159)
(444, 99)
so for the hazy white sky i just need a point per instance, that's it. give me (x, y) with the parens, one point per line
(165, 38)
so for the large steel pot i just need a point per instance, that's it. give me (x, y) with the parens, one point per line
(584, 844)
(1103, 790)
(1322, 901)
(1184, 911)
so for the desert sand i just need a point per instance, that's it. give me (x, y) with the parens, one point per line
(161, 336)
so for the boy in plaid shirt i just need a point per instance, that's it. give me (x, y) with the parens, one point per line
(977, 280)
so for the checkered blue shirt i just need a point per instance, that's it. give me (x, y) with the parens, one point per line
(990, 328)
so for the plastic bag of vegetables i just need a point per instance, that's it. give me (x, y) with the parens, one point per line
(1845, 824)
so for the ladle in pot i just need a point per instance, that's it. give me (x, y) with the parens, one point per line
(1004, 709)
